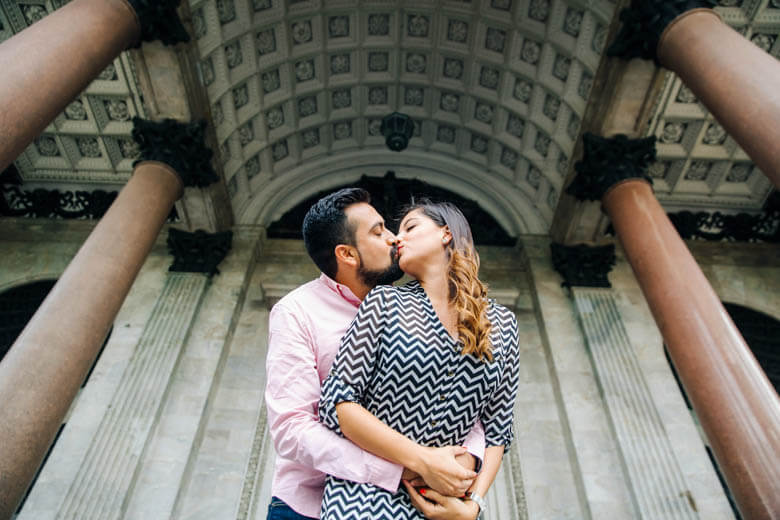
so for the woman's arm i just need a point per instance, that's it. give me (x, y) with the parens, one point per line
(437, 466)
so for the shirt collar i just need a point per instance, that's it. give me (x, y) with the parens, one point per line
(340, 289)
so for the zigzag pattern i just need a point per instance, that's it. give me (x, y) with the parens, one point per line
(401, 364)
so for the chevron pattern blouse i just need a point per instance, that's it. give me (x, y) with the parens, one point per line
(399, 362)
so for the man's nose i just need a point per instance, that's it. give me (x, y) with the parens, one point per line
(391, 238)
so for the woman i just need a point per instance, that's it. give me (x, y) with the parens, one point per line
(419, 365)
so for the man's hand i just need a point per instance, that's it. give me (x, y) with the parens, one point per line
(410, 475)
(439, 507)
(442, 472)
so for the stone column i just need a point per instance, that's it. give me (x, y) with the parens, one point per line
(738, 409)
(656, 482)
(736, 80)
(42, 372)
(48, 64)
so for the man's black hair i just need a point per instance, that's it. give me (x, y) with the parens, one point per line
(326, 225)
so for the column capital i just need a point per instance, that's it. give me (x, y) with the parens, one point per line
(643, 23)
(583, 265)
(609, 160)
(181, 146)
(198, 252)
(160, 21)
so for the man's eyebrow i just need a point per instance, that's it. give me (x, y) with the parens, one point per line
(379, 224)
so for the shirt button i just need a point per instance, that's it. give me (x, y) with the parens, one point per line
(442, 397)
(433, 423)
(451, 373)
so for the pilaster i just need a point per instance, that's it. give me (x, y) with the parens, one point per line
(657, 484)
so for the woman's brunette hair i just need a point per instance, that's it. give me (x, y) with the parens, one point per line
(467, 292)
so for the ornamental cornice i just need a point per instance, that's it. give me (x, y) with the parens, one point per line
(583, 265)
(644, 21)
(199, 251)
(182, 146)
(609, 160)
(160, 21)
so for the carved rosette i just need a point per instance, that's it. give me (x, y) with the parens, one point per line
(198, 252)
(609, 160)
(582, 265)
(643, 23)
(160, 21)
(180, 145)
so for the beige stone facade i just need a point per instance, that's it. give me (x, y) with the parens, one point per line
(205, 452)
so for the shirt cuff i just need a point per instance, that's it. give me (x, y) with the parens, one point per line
(385, 474)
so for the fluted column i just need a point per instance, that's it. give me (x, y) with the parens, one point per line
(48, 64)
(657, 484)
(738, 409)
(42, 372)
(736, 80)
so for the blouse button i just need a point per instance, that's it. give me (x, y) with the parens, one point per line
(451, 373)
(442, 397)
(433, 423)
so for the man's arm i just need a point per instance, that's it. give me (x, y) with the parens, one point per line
(292, 394)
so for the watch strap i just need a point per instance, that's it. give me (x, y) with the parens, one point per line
(480, 501)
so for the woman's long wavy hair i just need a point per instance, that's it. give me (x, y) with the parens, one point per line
(467, 292)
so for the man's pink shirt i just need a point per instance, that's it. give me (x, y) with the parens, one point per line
(304, 335)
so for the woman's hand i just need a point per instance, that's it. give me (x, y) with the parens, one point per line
(441, 471)
(439, 507)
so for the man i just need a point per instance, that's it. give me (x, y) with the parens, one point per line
(347, 239)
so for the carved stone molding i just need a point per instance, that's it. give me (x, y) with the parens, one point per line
(160, 21)
(582, 265)
(198, 252)
(182, 146)
(643, 23)
(609, 160)
(42, 203)
(741, 227)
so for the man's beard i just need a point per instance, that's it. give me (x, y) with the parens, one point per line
(380, 277)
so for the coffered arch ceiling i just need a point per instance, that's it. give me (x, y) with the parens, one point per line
(498, 85)
(497, 89)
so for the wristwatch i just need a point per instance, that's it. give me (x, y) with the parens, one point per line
(480, 501)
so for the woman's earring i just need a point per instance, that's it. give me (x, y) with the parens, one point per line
(444, 240)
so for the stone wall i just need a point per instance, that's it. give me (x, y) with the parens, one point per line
(205, 452)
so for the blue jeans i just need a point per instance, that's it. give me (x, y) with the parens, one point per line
(278, 510)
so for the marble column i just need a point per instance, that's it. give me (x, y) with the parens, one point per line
(111, 464)
(737, 407)
(656, 482)
(41, 373)
(48, 64)
(736, 80)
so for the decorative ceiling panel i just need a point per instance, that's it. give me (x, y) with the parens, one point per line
(90, 141)
(698, 163)
(502, 84)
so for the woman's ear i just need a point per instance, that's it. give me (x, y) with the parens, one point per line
(447, 237)
(347, 255)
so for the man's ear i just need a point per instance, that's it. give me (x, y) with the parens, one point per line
(347, 255)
